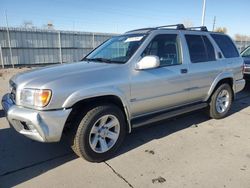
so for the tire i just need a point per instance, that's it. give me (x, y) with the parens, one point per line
(91, 133)
(216, 110)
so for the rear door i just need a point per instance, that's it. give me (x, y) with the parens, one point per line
(203, 64)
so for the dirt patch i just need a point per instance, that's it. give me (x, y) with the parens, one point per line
(150, 151)
(194, 126)
(158, 180)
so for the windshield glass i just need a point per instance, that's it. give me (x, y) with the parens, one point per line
(117, 49)
(246, 52)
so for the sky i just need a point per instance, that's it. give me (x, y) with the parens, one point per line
(118, 16)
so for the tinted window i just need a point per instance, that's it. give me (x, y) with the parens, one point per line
(226, 45)
(200, 48)
(166, 48)
(209, 48)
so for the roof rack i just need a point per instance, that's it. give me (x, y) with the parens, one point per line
(202, 28)
(178, 27)
(146, 28)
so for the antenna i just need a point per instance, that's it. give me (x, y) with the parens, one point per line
(214, 23)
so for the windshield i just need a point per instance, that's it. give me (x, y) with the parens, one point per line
(117, 49)
(246, 52)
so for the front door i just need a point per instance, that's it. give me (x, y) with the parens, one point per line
(164, 87)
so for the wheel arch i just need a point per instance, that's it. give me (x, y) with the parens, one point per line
(221, 79)
(86, 103)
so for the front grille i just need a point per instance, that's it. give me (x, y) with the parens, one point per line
(13, 91)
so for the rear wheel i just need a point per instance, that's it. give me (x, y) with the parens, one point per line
(221, 101)
(100, 133)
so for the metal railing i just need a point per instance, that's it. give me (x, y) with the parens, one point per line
(20, 46)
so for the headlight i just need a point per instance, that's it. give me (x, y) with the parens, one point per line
(35, 97)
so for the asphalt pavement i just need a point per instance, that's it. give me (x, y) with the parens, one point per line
(187, 151)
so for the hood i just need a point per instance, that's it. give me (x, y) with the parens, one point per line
(246, 60)
(43, 76)
(68, 79)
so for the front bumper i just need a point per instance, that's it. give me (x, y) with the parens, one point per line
(247, 76)
(43, 126)
(247, 72)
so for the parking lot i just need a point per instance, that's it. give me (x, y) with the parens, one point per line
(188, 151)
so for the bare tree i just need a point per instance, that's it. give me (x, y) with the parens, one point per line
(221, 29)
(239, 37)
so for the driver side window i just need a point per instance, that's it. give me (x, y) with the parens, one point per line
(166, 47)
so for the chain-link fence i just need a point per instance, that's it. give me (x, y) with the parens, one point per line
(19, 46)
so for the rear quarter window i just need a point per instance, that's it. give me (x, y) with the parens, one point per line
(226, 45)
(200, 48)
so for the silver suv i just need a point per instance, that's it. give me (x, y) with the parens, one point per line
(134, 79)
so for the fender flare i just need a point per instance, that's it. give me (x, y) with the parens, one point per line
(84, 94)
(221, 76)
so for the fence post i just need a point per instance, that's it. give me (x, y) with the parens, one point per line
(241, 46)
(60, 46)
(1, 56)
(93, 40)
(8, 36)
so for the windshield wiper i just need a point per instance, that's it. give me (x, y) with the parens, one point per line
(101, 60)
(98, 59)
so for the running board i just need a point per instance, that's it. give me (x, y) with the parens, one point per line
(152, 118)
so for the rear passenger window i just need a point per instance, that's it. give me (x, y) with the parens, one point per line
(210, 49)
(226, 45)
(166, 47)
(200, 48)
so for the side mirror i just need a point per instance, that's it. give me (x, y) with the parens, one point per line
(148, 62)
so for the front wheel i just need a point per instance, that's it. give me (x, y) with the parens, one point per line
(221, 101)
(100, 133)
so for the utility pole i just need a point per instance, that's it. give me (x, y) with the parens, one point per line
(8, 36)
(203, 13)
(214, 23)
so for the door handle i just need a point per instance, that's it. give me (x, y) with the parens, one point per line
(184, 71)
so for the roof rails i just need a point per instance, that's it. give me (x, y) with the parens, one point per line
(178, 27)
(202, 28)
(142, 29)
